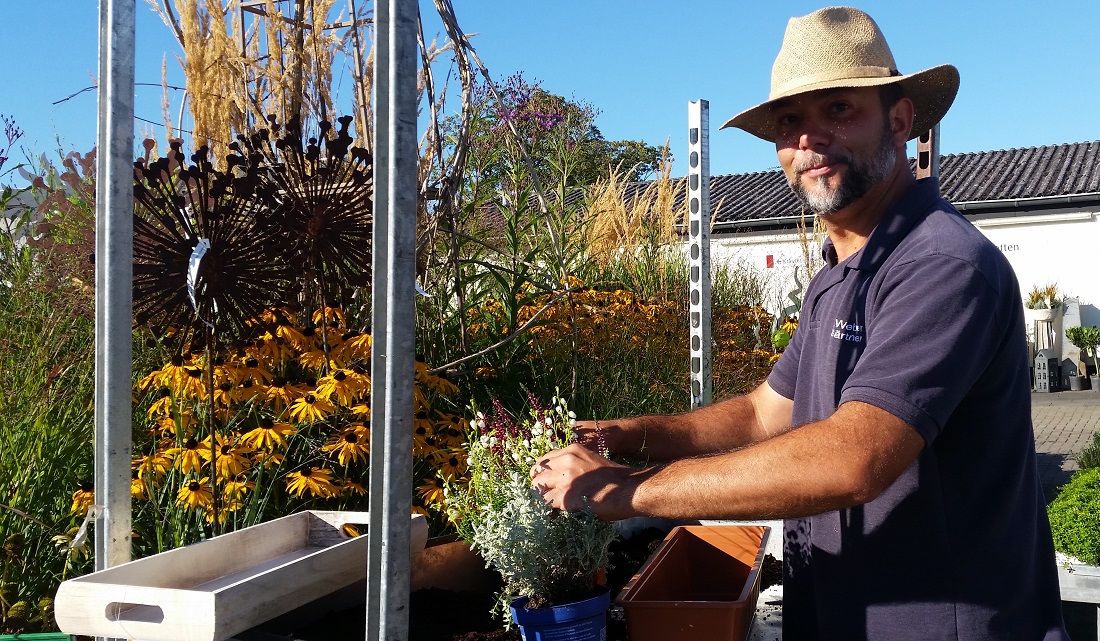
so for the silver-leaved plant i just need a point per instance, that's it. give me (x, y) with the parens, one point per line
(547, 555)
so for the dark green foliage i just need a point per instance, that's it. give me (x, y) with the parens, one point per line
(46, 372)
(1089, 457)
(1075, 517)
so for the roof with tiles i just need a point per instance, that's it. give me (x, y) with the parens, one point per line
(1007, 176)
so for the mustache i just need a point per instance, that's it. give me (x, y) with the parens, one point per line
(814, 159)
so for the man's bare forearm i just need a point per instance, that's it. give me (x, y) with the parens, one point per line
(844, 460)
(720, 427)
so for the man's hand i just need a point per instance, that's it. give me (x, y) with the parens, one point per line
(575, 477)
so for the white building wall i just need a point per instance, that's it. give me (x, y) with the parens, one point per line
(1061, 249)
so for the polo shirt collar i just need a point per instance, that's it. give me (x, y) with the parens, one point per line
(894, 226)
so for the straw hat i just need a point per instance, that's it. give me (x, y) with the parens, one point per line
(843, 47)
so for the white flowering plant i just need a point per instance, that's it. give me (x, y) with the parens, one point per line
(548, 555)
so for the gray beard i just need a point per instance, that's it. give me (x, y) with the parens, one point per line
(857, 181)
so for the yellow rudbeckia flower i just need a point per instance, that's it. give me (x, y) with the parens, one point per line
(193, 494)
(316, 481)
(310, 408)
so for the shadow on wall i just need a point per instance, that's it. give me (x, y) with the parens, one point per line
(1090, 315)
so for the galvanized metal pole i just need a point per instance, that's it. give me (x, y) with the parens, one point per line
(113, 269)
(702, 382)
(393, 321)
(928, 153)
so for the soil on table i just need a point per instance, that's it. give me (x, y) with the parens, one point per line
(444, 615)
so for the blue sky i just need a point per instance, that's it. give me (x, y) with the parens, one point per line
(1029, 72)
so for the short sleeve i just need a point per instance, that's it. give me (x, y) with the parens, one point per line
(932, 330)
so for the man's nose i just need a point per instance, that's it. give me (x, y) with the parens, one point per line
(814, 136)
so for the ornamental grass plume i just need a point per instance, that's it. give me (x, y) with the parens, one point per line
(550, 556)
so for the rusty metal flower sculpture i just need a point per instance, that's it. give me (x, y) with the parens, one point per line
(202, 256)
(319, 194)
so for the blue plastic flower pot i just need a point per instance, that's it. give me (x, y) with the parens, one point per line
(581, 621)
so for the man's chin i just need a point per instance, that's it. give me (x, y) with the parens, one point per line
(820, 199)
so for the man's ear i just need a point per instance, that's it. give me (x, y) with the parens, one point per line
(901, 120)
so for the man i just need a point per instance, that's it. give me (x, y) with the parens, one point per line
(894, 433)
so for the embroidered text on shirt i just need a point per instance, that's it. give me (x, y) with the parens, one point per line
(845, 331)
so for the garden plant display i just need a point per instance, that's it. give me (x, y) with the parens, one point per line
(295, 434)
(251, 373)
(632, 317)
(549, 556)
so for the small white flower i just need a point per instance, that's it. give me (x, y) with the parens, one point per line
(572, 414)
(536, 430)
(493, 441)
(572, 422)
(515, 456)
(530, 459)
(484, 439)
(549, 421)
(474, 424)
(484, 476)
(526, 443)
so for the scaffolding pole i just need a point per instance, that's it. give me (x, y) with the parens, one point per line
(113, 270)
(393, 321)
(702, 383)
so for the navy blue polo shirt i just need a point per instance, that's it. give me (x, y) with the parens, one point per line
(925, 322)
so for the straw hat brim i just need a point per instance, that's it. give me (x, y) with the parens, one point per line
(932, 92)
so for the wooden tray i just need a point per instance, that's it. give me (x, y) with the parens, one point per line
(214, 589)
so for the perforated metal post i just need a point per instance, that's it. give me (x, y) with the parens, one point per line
(393, 322)
(928, 153)
(702, 383)
(114, 255)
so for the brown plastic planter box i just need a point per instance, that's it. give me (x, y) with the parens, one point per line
(702, 583)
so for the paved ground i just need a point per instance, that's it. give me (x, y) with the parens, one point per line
(1064, 424)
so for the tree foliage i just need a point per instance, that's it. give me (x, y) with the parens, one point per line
(560, 136)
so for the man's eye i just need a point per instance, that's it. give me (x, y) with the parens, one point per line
(839, 107)
(786, 120)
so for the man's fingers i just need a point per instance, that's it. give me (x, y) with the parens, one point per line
(541, 466)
